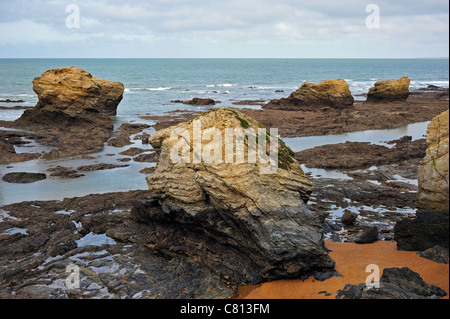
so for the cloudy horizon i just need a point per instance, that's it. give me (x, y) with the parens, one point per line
(223, 29)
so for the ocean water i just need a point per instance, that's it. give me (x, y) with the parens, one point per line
(150, 85)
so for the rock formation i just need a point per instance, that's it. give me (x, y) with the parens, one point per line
(73, 110)
(361, 155)
(331, 93)
(245, 224)
(197, 102)
(390, 90)
(23, 177)
(395, 283)
(431, 226)
(428, 229)
(74, 91)
(433, 172)
(201, 102)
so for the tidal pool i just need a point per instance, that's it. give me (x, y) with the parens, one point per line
(129, 178)
(378, 137)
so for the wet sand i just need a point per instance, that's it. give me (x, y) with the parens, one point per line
(351, 261)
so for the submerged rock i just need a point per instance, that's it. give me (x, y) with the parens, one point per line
(245, 224)
(99, 167)
(23, 177)
(11, 101)
(8, 153)
(201, 102)
(390, 90)
(64, 172)
(332, 93)
(126, 130)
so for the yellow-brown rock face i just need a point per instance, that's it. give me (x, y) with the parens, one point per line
(433, 173)
(73, 111)
(74, 90)
(329, 93)
(390, 90)
(250, 215)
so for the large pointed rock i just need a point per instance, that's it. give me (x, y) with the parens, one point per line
(246, 222)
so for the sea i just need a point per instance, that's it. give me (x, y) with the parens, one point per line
(151, 85)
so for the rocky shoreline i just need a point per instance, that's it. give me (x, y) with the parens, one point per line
(127, 246)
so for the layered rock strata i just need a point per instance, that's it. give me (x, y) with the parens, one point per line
(431, 225)
(433, 172)
(245, 224)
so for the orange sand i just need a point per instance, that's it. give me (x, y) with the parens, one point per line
(351, 261)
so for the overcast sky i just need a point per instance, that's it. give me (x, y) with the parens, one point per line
(222, 29)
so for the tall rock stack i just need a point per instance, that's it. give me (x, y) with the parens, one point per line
(431, 226)
(433, 173)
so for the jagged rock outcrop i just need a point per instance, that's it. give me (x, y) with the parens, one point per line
(245, 224)
(389, 90)
(433, 173)
(73, 110)
(331, 93)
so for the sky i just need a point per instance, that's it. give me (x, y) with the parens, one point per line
(224, 29)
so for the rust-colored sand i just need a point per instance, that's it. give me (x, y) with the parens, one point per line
(351, 261)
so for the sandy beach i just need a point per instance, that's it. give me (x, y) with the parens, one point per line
(351, 262)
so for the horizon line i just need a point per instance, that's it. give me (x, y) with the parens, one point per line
(223, 58)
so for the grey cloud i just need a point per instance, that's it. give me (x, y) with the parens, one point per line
(233, 22)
